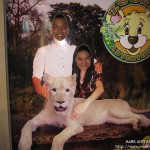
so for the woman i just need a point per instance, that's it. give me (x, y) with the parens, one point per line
(89, 84)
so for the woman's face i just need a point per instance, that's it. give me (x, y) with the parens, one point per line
(59, 28)
(83, 60)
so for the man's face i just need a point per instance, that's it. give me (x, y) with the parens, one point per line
(59, 28)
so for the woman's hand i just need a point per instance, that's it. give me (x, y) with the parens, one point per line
(79, 109)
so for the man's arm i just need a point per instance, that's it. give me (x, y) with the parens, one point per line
(98, 67)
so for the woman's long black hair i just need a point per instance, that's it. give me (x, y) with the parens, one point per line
(75, 69)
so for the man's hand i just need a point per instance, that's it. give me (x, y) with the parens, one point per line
(44, 91)
(41, 90)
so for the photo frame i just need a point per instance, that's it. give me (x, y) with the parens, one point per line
(121, 80)
(5, 129)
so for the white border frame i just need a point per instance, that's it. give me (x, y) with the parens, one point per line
(5, 130)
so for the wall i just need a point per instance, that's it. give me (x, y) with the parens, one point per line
(5, 141)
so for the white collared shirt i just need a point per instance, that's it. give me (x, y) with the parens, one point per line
(55, 60)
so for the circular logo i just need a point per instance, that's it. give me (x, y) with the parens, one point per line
(125, 30)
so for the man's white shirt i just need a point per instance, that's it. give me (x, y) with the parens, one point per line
(54, 59)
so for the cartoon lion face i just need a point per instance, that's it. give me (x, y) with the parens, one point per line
(135, 34)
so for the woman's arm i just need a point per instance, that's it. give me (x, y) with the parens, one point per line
(96, 93)
(81, 107)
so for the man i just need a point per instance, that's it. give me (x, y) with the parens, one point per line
(56, 58)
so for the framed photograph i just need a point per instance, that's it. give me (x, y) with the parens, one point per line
(45, 40)
(5, 130)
